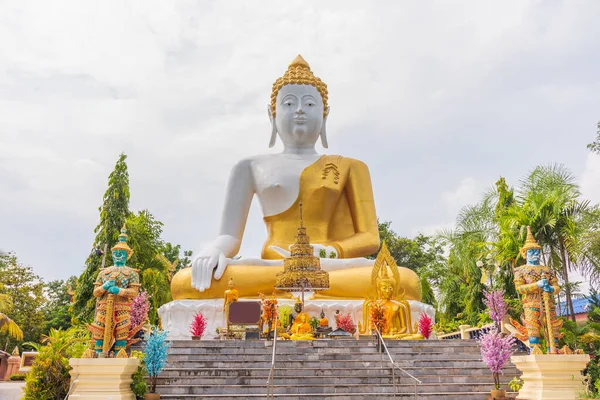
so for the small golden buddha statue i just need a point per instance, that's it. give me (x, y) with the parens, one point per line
(302, 330)
(398, 321)
(231, 295)
(323, 322)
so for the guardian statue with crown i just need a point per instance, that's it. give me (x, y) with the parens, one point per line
(114, 289)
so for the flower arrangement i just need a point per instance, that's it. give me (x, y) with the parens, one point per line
(496, 350)
(425, 325)
(494, 301)
(140, 306)
(155, 354)
(346, 323)
(283, 313)
(269, 306)
(378, 318)
(198, 325)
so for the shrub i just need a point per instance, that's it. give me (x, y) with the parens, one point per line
(283, 313)
(49, 376)
(18, 377)
(139, 385)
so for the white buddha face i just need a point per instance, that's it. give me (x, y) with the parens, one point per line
(299, 115)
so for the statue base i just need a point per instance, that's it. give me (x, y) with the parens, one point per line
(177, 315)
(551, 376)
(102, 378)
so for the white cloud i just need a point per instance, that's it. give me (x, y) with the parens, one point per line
(424, 93)
(590, 179)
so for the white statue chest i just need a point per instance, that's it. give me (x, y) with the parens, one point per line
(277, 179)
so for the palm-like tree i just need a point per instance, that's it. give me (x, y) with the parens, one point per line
(7, 325)
(549, 200)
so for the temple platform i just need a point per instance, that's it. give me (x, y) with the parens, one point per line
(177, 315)
(327, 369)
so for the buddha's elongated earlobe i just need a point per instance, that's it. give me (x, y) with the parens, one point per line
(324, 130)
(273, 127)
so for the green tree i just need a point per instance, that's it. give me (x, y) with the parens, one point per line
(144, 239)
(7, 325)
(113, 214)
(56, 310)
(549, 200)
(26, 292)
(595, 145)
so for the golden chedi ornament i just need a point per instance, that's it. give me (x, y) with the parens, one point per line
(301, 270)
(385, 291)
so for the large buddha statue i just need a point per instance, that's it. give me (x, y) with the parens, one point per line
(339, 210)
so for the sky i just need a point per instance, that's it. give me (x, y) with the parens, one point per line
(439, 98)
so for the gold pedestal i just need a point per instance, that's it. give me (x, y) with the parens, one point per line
(102, 378)
(551, 376)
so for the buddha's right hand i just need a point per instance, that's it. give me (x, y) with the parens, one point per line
(204, 265)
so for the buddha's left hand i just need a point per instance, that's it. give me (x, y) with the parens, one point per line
(317, 248)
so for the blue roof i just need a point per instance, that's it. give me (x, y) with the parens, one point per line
(581, 306)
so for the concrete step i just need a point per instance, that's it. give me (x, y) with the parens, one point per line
(220, 364)
(315, 389)
(371, 356)
(382, 379)
(326, 343)
(348, 396)
(376, 370)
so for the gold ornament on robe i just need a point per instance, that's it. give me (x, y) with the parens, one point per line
(302, 270)
(387, 291)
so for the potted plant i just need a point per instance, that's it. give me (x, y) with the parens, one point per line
(155, 358)
(198, 326)
(496, 348)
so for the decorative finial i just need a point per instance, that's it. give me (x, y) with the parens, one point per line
(530, 243)
(122, 243)
(301, 221)
(15, 351)
(299, 62)
(299, 73)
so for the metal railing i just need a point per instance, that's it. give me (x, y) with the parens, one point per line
(72, 386)
(381, 344)
(271, 379)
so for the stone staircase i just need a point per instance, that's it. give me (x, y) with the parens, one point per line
(326, 369)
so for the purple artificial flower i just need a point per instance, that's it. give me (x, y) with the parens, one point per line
(496, 350)
(140, 306)
(494, 300)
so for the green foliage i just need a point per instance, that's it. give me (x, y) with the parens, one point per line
(139, 385)
(56, 310)
(17, 377)
(595, 145)
(24, 298)
(49, 376)
(113, 214)
(283, 313)
(314, 323)
(515, 384)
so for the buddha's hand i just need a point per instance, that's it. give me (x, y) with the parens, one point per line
(205, 264)
(319, 250)
(323, 251)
